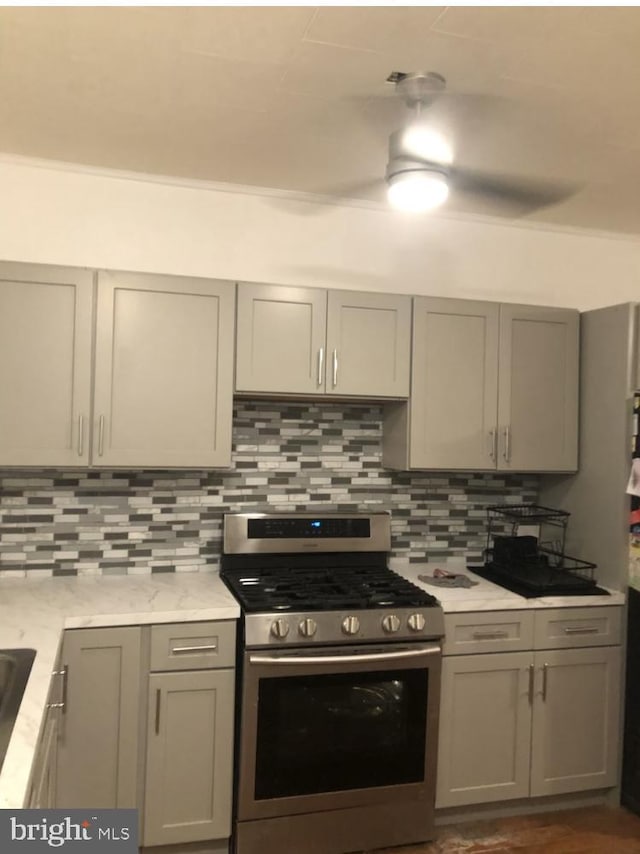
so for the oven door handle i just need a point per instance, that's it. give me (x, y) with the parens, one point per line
(344, 659)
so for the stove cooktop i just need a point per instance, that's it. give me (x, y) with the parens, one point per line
(296, 589)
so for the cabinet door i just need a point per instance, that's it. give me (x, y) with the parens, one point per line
(45, 365)
(189, 757)
(538, 392)
(575, 720)
(368, 344)
(97, 762)
(485, 727)
(280, 343)
(454, 384)
(43, 789)
(164, 369)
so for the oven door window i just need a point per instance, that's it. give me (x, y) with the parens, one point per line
(335, 732)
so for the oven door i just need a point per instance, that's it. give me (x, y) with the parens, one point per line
(338, 727)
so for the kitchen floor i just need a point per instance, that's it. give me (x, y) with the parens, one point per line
(585, 831)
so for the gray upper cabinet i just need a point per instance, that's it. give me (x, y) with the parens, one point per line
(280, 339)
(45, 365)
(368, 344)
(538, 389)
(162, 379)
(493, 387)
(310, 341)
(164, 371)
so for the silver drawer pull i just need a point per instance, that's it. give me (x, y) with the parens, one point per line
(490, 635)
(182, 650)
(581, 630)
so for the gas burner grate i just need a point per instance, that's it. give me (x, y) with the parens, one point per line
(330, 589)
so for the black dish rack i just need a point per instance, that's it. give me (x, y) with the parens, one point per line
(536, 562)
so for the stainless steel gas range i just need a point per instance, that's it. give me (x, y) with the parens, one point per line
(339, 686)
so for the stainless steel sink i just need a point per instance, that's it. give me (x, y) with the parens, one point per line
(15, 666)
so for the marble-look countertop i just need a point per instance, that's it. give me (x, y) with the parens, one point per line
(33, 614)
(487, 596)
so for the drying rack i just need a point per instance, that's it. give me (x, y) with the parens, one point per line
(545, 566)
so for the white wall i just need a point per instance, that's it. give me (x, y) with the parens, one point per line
(55, 215)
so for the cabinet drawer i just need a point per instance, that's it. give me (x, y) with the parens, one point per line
(193, 646)
(490, 631)
(557, 628)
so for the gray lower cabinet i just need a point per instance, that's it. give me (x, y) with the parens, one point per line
(574, 741)
(485, 729)
(533, 722)
(189, 734)
(97, 747)
(96, 752)
(42, 794)
(189, 757)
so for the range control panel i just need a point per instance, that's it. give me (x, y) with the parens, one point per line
(318, 528)
(259, 533)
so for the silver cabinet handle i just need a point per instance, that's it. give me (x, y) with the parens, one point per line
(320, 365)
(545, 671)
(65, 678)
(581, 630)
(101, 436)
(493, 435)
(507, 444)
(532, 677)
(490, 635)
(80, 435)
(182, 650)
(158, 699)
(335, 368)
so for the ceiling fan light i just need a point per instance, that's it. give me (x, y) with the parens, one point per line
(417, 191)
(426, 143)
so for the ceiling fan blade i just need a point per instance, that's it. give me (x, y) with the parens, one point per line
(322, 200)
(509, 195)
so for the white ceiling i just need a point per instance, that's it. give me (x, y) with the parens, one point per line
(294, 97)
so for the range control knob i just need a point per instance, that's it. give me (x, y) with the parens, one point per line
(351, 625)
(416, 622)
(390, 624)
(280, 629)
(307, 627)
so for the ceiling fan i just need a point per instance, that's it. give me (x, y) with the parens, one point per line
(421, 169)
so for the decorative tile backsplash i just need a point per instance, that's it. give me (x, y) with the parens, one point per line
(287, 456)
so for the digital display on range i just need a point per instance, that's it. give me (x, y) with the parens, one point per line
(330, 528)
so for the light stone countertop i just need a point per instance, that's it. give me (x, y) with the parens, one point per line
(34, 612)
(487, 596)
